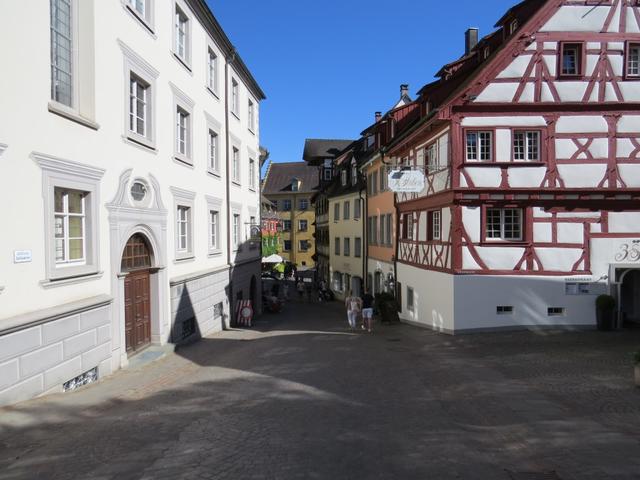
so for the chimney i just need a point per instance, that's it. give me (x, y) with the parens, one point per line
(404, 90)
(378, 116)
(470, 40)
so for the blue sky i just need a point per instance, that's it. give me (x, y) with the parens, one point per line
(326, 66)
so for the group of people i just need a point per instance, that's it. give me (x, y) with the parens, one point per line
(356, 307)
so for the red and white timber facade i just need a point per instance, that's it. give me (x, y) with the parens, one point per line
(532, 161)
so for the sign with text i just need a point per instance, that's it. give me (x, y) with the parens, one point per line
(626, 250)
(406, 181)
(22, 256)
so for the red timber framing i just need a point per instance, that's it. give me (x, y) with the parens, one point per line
(552, 205)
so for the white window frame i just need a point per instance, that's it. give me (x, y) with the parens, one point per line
(214, 204)
(146, 17)
(343, 177)
(81, 107)
(235, 98)
(251, 115)
(236, 230)
(357, 247)
(212, 70)
(135, 65)
(336, 212)
(181, 10)
(235, 160)
(346, 246)
(632, 61)
(432, 156)
(60, 173)
(306, 225)
(286, 205)
(336, 246)
(183, 199)
(213, 126)
(523, 142)
(346, 210)
(252, 174)
(182, 104)
(503, 227)
(477, 146)
(303, 204)
(66, 215)
(357, 210)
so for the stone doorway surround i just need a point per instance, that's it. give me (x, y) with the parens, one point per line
(146, 216)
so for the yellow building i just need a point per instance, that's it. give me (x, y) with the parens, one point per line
(290, 187)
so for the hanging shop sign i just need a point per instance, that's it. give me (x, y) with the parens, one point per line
(406, 181)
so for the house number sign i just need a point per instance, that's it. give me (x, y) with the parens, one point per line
(22, 256)
(628, 251)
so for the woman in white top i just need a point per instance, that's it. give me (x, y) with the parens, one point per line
(354, 306)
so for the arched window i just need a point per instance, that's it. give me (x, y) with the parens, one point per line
(136, 255)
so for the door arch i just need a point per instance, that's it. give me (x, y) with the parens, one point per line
(136, 264)
(630, 295)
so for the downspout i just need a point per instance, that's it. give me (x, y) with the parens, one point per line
(228, 60)
(364, 218)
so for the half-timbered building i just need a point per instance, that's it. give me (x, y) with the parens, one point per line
(530, 143)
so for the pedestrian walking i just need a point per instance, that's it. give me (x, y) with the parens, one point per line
(354, 306)
(367, 311)
(300, 288)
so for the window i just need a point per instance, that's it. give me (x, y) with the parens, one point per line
(304, 245)
(181, 47)
(357, 247)
(354, 174)
(577, 289)
(235, 97)
(212, 71)
(138, 104)
(286, 205)
(374, 183)
(236, 231)
(327, 174)
(434, 225)
(214, 232)
(389, 229)
(252, 174)
(410, 305)
(69, 223)
(303, 225)
(486, 52)
(633, 60)
(218, 310)
(513, 26)
(235, 166)
(138, 6)
(373, 230)
(343, 178)
(347, 247)
(382, 182)
(251, 116)
(356, 209)
(556, 312)
(287, 245)
(479, 146)
(303, 204)
(526, 146)
(212, 150)
(431, 152)
(286, 225)
(571, 59)
(62, 52)
(183, 132)
(504, 310)
(504, 224)
(336, 212)
(337, 246)
(183, 227)
(346, 210)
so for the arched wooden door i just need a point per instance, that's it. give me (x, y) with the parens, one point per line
(136, 261)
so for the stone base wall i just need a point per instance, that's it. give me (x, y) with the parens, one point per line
(193, 304)
(40, 358)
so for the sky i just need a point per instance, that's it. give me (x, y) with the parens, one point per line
(326, 66)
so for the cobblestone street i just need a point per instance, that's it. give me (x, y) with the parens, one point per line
(301, 397)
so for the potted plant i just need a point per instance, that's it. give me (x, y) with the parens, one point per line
(636, 367)
(605, 312)
(387, 307)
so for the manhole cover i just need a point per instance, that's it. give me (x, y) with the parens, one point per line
(533, 475)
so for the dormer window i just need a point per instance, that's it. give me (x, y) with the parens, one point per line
(354, 174)
(343, 177)
(486, 52)
(513, 26)
(295, 185)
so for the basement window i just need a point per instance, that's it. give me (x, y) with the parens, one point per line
(504, 310)
(556, 312)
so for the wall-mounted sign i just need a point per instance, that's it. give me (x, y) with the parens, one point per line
(406, 181)
(626, 251)
(22, 256)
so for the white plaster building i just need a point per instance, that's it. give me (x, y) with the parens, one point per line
(129, 150)
(530, 144)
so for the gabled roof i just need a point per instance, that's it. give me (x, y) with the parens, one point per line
(317, 149)
(280, 176)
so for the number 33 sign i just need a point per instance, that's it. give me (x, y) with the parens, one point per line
(628, 251)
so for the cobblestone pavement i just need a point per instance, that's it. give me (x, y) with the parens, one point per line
(301, 397)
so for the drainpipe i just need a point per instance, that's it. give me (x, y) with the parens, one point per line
(228, 61)
(364, 218)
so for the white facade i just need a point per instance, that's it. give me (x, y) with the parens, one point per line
(62, 303)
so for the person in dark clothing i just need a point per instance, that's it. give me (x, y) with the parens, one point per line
(367, 311)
